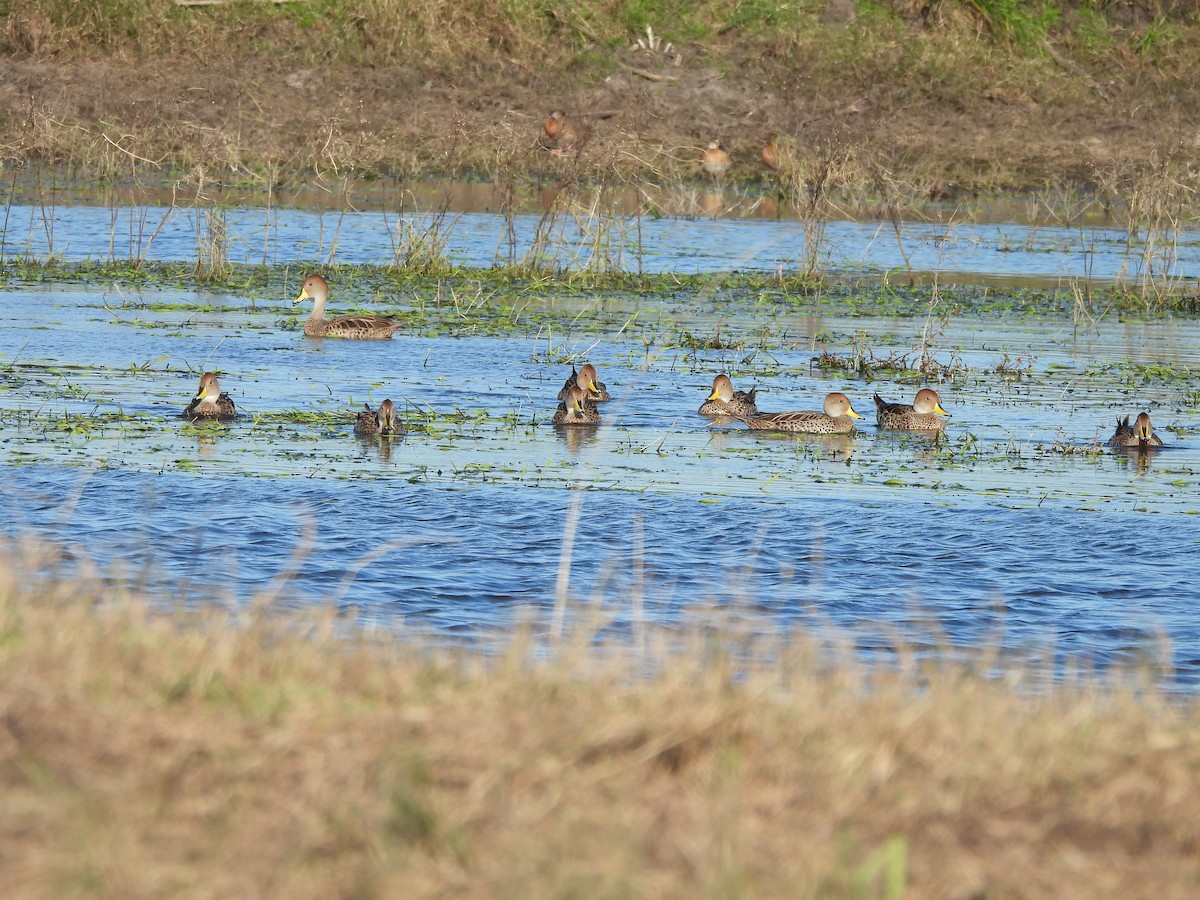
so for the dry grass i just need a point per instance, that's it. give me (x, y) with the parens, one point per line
(250, 755)
(977, 95)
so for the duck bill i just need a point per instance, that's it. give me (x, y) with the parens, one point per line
(852, 414)
(938, 409)
(303, 296)
(714, 395)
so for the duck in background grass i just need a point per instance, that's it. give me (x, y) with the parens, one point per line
(715, 160)
(921, 415)
(576, 409)
(586, 379)
(209, 403)
(567, 134)
(383, 422)
(1140, 434)
(725, 401)
(365, 327)
(837, 417)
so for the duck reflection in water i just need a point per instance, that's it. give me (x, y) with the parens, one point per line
(378, 445)
(837, 448)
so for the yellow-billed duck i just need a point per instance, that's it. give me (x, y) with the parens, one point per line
(382, 422)
(209, 402)
(577, 409)
(725, 401)
(837, 418)
(361, 327)
(586, 379)
(921, 415)
(1139, 434)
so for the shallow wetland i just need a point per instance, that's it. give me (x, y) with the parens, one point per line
(1018, 530)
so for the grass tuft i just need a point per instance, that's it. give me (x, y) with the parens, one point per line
(250, 751)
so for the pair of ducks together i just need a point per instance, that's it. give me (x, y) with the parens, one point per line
(212, 405)
(836, 417)
(569, 133)
(715, 159)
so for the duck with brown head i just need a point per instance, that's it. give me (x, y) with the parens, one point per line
(837, 417)
(1140, 434)
(576, 409)
(209, 403)
(360, 327)
(921, 415)
(725, 401)
(383, 422)
(586, 378)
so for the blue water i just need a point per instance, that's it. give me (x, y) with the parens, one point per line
(959, 251)
(1102, 589)
(1007, 535)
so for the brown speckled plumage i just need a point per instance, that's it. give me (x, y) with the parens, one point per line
(725, 401)
(1139, 434)
(837, 418)
(209, 402)
(360, 327)
(921, 415)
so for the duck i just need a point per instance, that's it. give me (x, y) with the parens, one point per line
(725, 401)
(922, 415)
(384, 422)
(1140, 434)
(209, 402)
(715, 160)
(837, 418)
(577, 409)
(586, 379)
(769, 153)
(569, 134)
(361, 327)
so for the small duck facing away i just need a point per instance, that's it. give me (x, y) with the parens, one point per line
(725, 401)
(715, 160)
(383, 422)
(921, 415)
(361, 327)
(1140, 434)
(837, 418)
(577, 409)
(209, 402)
(587, 380)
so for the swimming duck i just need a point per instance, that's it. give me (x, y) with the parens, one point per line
(725, 401)
(716, 160)
(209, 402)
(364, 327)
(920, 416)
(838, 418)
(384, 422)
(586, 379)
(1140, 434)
(577, 409)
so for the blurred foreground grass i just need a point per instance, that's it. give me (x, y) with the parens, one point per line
(268, 754)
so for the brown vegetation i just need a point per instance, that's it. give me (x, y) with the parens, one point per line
(940, 93)
(144, 754)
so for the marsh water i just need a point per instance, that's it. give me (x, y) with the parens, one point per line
(1016, 531)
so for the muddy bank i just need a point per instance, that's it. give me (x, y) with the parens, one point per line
(903, 101)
